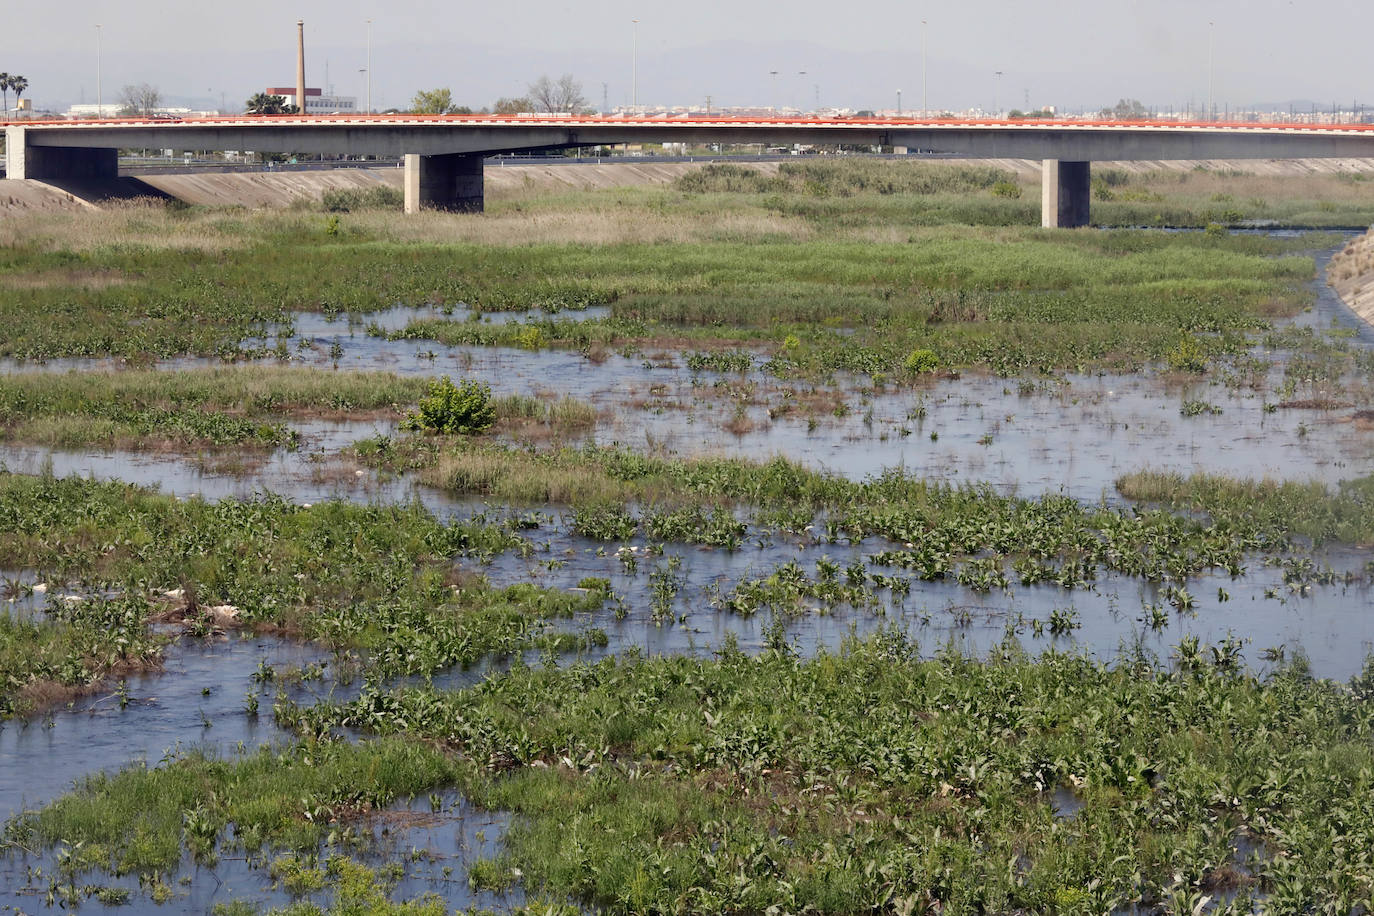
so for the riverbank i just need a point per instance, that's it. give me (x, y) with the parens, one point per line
(1351, 275)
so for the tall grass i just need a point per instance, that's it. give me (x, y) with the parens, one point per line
(1309, 509)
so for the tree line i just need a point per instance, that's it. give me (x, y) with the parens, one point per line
(544, 94)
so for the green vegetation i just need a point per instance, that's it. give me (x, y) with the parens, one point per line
(384, 578)
(1308, 509)
(939, 525)
(827, 246)
(294, 798)
(843, 178)
(464, 408)
(973, 298)
(243, 407)
(79, 645)
(863, 779)
(199, 408)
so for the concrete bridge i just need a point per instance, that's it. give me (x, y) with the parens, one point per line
(443, 154)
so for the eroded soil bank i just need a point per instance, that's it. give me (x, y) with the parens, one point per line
(1351, 275)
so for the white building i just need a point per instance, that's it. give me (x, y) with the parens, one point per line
(108, 110)
(112, 110)
(316, 102)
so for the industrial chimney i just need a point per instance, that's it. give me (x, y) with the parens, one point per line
(300, 65)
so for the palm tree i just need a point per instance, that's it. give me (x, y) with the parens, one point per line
(18, 84)
(5, 88)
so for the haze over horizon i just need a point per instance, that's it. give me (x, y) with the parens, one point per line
(1072, 55)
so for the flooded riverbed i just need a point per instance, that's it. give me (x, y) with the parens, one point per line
(1073, 435)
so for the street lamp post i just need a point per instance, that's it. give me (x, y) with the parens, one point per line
(1211, 47)
(99, 71)
(802, 74)
(899, 103)
(634, 66)
(369, 66)
(774, 100)
(996, 94)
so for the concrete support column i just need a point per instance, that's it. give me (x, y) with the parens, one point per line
(1065, 191)
(448, 182)
(55, 162)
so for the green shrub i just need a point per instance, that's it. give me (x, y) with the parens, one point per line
(1007, 189)
(464, 408)
(1188, 356)
(921, 361)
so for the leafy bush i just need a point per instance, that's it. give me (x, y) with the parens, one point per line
(464, 408)
(921, 361)
(1007, 189)
(1188, 356)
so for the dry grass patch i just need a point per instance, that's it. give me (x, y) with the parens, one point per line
(592, 223)
(86, 279)
(147, 224)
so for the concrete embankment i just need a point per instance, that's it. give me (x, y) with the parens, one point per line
(1351, 275)
(281, 189)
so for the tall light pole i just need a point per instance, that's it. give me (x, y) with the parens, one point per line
(369, 66)
(802, 74)
(99, 71)
(899, 103)
(634, 65)
(774, 100)
(996, 93)
(925, 60)
(1211, 46)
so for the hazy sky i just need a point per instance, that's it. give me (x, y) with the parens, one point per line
(1073, 53)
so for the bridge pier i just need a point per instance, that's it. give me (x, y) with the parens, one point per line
(56, 162)
(447, 182)
(1065, 192)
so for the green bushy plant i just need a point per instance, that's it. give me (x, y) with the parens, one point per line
(921, 361)
(1007, 189)
(1188, 356)
(464, 408)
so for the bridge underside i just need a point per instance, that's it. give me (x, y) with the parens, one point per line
(1065, 192)
(452, 182)
(444, 159)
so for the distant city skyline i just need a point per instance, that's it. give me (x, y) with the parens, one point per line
(1073, 55)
